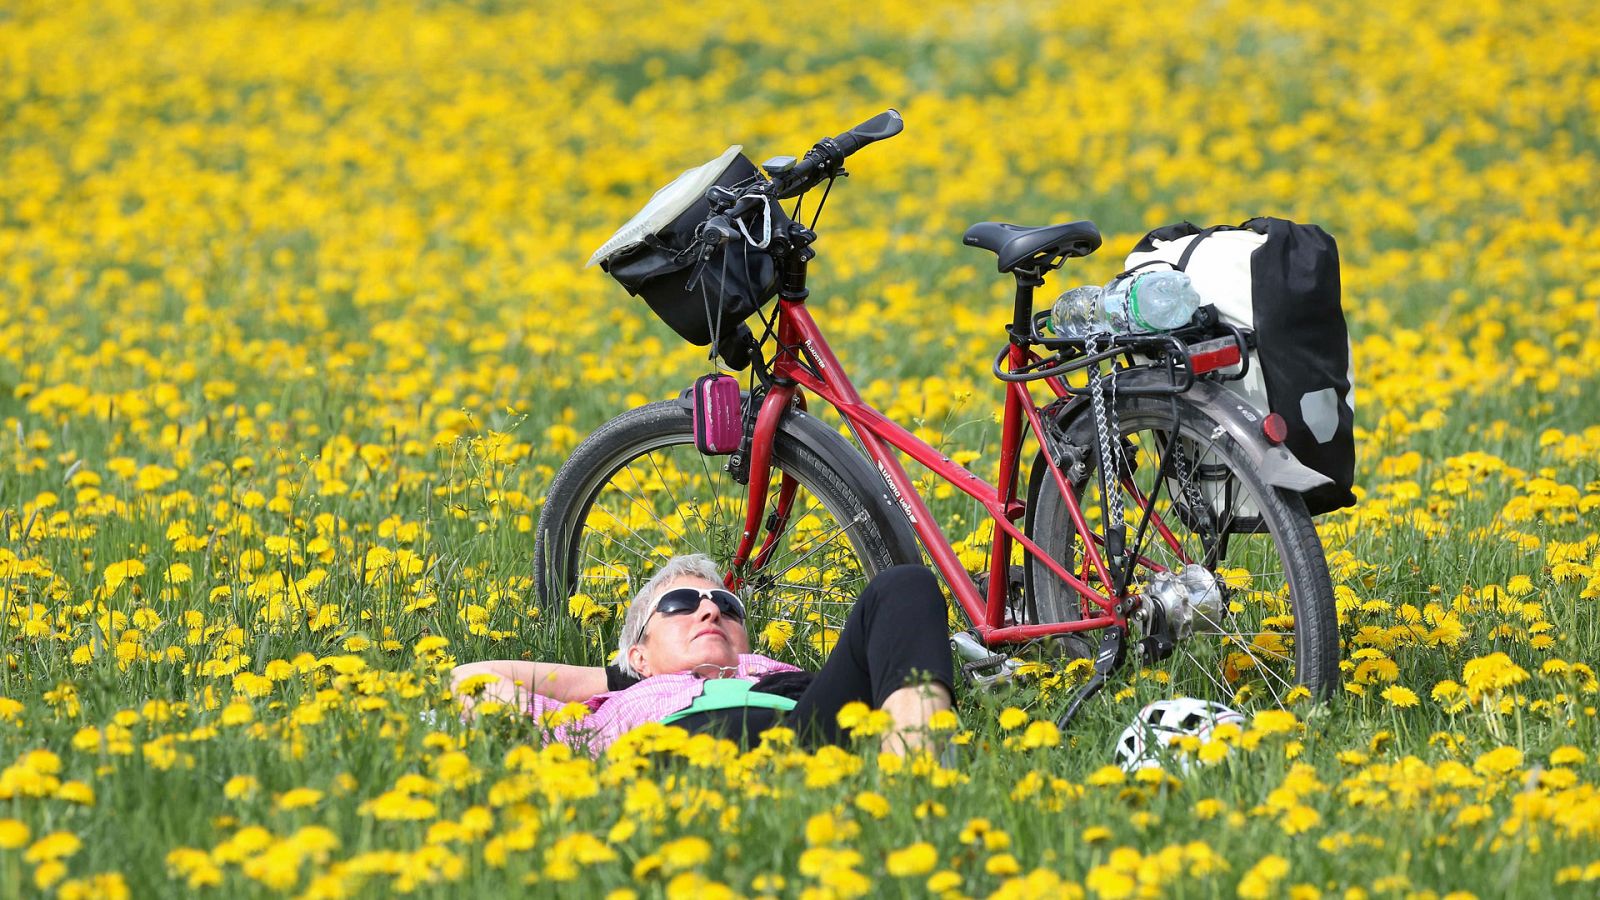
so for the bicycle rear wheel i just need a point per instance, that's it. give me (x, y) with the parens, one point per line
(1273, 626)
(637, 492)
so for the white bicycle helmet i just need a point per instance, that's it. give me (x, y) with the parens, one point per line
(1144, 743)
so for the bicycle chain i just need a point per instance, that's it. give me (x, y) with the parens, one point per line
(1199, 506)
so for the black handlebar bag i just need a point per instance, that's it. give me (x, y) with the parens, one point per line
(703, 300)
(1281, 279)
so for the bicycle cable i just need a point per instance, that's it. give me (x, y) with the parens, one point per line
(828, 189)
(758, 361)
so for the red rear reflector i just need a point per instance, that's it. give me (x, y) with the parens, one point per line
(1274, 428)
(1218, 354)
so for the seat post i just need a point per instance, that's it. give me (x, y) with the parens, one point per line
(1022, 313)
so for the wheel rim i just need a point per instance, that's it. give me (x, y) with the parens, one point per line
(664, 498)
(1250, 648)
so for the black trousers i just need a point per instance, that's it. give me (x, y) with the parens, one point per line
(896, 635)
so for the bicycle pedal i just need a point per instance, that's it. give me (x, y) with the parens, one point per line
(979, 665)
(1004, 670)
(980, 660)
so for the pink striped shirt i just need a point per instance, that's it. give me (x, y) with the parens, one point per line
(614, 712)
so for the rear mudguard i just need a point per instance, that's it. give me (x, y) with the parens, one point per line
(1233, 417)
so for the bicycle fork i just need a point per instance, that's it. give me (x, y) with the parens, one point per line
(756, 462)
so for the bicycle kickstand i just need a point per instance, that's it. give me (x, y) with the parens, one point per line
(1113, 652)
(978, 659)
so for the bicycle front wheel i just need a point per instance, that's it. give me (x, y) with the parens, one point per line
(1270, 627)
(638, 492)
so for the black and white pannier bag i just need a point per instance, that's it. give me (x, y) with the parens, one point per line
(1281, 280)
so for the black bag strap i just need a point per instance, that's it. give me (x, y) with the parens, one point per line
(1183, 260)
(1144, 265)
(1174, 233)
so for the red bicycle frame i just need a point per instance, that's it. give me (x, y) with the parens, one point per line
(797, 332)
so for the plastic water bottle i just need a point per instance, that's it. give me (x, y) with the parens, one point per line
(1150, 301)
(1078, 312)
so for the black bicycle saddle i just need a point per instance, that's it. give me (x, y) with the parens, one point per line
(1046, 246)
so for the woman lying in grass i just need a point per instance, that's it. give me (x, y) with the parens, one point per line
(684, 659)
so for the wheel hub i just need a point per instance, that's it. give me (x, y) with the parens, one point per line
(1173, 603)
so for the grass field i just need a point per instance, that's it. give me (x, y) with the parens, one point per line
(294, 332)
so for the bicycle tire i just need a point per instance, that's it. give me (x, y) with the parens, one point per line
(1221, 472)
(574, 553)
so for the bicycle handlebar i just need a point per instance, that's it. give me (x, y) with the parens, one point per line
(886, 124)
(823, 160)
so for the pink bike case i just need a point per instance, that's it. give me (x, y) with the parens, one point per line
(718, 414)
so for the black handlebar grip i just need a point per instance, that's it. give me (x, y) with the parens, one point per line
(886, 124)
(827, 155)
(718, 230)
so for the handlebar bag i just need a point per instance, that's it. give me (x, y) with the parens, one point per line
(1280, 279)
(655, 256)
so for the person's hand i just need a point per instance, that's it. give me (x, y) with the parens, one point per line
(484, 687)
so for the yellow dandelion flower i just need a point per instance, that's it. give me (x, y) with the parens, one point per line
(13, 834)
(1401, 697)
(684, 853)
(54, 846)
(299, 798)
(873, 804)
(1106, 776)
(917, 859)
(1568, 755)
(1499, 761)
(1002, 865)
(1012, 717)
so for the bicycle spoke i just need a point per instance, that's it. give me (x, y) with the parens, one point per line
(1270, 673)
(607, 562)
(717, 513)
(1239, 634)
(611, 539)
(796, 516)
(712, 480)
(671, 497)
(646, 507)
(1249, 648)
(836, 534)
(1207, 671)
(843, 596)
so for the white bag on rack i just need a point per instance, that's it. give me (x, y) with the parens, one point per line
(1280, 280)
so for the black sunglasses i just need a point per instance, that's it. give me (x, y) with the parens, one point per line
(684, 600)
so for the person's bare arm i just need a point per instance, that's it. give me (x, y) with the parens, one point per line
(516, 679)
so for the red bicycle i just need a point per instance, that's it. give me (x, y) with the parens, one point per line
(1153, 504)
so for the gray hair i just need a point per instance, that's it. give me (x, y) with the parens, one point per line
(694, 565)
